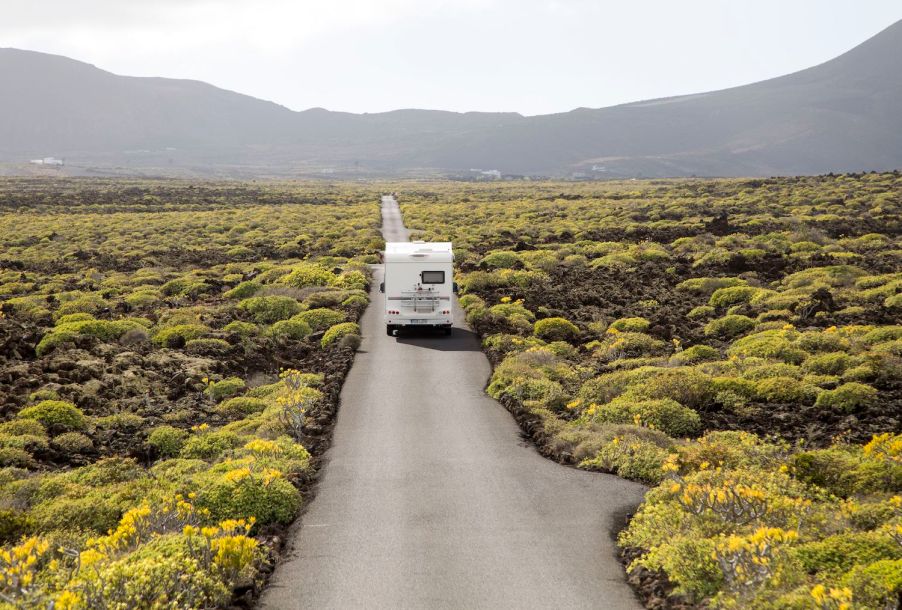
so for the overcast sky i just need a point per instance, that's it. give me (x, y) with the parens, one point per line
(529, 56)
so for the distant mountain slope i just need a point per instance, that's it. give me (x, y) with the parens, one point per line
(843, 115)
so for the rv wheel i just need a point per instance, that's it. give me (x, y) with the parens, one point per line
(390, 331)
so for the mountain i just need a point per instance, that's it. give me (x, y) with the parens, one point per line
(843, 115)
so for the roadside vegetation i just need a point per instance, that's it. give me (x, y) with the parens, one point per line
(170, 361)
(735, 344)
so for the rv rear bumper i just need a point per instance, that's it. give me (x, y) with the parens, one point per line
(425, 323)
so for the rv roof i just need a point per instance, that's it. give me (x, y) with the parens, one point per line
(409, 247)
(413, 250)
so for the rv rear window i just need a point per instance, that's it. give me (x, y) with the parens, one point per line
(432, 277)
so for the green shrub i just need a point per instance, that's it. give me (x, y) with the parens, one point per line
(707, 285)
(844, 471)
(43, 394)
(882, 334)
(608, 386)
(73, 443)
(355, 300)
(290, 329)
(501, 259)
(834, 363)
(243, 494)
(832, 275)
(877, 585)
(74, 317)
(835, 555)
(55, 339)
(862, 372)
(630, 457)
(822, 341)
(563, 350)
(244, 329)
(241, 406)
(785, 390)
(166, 572)
(217, 390)
(107, 471)
(730, 449)
(687, 386)
(773, 369)
(338, 332)
(689, 563)
(694, 355)
(483, 280)
(15, 456)
(827, 382)
(733, 295)
(701, 312)
(28, 442)
(629, 345)
(353, 280)
(262, 391)
(209, 445)
(31, 307)
(93, 512)
(168, 441)
(848, 397)
(143, 299)
(185, 286)
(56, 415)
(504, 343)
(105, 330)
(281, 453)
(893, 302)
(776, 344)
(325, 299)
(471, 301)
(88, 303)
(774, 315)
(512, 310)
(266, 310)
(13, 525)
(546, 392)
(664, 414)
(125, 421)
(631, 325)
(729, 326)
(319, 319)
(178, 335)
(869, 515)
(555, 329)
(207, 346)
(18, 427)
(309, 274)
(178, 469)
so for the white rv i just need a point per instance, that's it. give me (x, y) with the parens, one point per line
(418, 285)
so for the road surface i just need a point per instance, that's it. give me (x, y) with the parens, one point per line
(430, 497)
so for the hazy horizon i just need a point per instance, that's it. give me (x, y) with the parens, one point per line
(532, 57)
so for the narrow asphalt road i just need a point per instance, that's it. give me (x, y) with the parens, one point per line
(432, 499)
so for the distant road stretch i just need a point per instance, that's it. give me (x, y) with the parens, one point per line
(432, 499)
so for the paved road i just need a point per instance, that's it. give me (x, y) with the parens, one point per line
(432, 499)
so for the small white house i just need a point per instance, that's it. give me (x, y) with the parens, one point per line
(418, 285)
(51, 161)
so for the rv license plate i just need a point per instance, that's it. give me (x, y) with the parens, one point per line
(419, 321)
